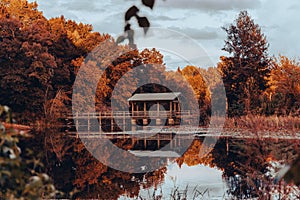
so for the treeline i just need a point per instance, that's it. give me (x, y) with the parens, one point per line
(256, 83)
(40, 58)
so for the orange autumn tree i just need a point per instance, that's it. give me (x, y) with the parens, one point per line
(21, 10)
(245, 72)
(27, 65)
(284, 92)
(42, 57)
(200, 88)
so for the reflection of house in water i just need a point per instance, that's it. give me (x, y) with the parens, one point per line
(157, 106)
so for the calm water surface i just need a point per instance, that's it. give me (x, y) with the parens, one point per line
(195, 181)
(235, 168)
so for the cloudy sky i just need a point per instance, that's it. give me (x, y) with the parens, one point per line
(188, 31)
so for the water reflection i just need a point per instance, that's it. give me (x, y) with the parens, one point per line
(240, 168)
(190, 182)
(235, 168)
(249, 165)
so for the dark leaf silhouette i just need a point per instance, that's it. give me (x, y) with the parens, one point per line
(130, 36)
(144, 23)
(148, 3)
(131, 12)
(127, 27)
(120, 39)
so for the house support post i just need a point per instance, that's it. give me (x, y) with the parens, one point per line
(133, 124)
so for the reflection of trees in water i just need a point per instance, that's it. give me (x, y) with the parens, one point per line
(95, 180)
(112, 184)
(247, 161)
(191, 156)
(75, 170)
(244, 162)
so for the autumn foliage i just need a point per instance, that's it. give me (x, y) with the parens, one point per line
(40, 59)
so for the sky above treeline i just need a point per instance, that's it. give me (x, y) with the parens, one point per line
(189, 31)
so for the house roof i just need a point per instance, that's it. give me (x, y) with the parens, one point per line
(155, 96)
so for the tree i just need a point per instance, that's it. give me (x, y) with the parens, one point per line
(284, 91)
(26, 66)
(21, 10)
(200, 89)
(216, 88)
(245, 73)
(39, 57)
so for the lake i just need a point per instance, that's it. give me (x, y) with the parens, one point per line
(234, 168)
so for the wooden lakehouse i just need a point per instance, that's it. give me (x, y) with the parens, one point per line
(155, 105)
(146, 111)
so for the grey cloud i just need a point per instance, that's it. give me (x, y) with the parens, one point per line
(211, 5)
(294, 6)
(54, 9)
(112, 24)
(79, 5)
(279, 19)
(164, 18)
(206, 33)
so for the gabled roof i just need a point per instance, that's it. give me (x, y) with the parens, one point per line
(155, 96)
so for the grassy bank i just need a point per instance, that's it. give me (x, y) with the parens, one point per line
(264, 123)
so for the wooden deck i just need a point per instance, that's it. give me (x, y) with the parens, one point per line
(122, 125)
(133, 115)
(125, 120)
(182, 133)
